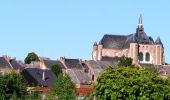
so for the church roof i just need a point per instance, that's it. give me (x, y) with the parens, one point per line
(123, 41)
(158, 41)
(113, 41)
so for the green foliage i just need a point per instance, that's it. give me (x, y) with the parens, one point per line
(14, 96)
(51, 96)
(64, 88)
(13, 86)
(34, 95)
(125, 61)
(132, 84)
(56, 69)
(31, 57)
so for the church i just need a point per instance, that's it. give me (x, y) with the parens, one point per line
(138, 46)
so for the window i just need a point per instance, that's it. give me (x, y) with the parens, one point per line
(93, 77)
(140, 56)
(147, 57)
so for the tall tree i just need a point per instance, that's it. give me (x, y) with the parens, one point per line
(13, 85)
(65, 88)
(31, 57)
(132, 84)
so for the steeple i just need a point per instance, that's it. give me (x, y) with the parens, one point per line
(140, 22)
(140, 25)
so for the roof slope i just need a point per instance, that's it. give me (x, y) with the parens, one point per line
(4, 63)
(15, 64)
(73, 63)
(49, 63)
(122, 42)
(35, 75)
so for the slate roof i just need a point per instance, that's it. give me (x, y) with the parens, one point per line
(34, 75)
(49, 63)
(79, 76)
(158, 41)
(98, 66)
(123, 41)
(112, 60)
(4, 63)
(113, 41)
(73, 63)
(16, 65)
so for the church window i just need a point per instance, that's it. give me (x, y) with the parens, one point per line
(140, 56)
(147, 57)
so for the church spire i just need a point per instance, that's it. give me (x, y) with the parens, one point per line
(140, 22)
(140, 25)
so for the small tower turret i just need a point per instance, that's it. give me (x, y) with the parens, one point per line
(95, 47)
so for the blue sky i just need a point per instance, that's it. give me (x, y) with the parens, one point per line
(55, 28)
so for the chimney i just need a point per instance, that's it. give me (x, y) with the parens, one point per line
(43, 76)
(62, 59)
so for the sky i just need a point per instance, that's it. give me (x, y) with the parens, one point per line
(56, 28)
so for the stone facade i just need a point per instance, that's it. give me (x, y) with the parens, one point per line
(140, 47)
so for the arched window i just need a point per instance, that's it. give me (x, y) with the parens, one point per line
(147, 57)
(140, 56)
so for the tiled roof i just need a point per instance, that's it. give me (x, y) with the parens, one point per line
(98, 66)
(35, 75)
(73, 63)
(79, 76)
(142, 38)
(113, 41)
(4, 63)
(123, 41)
(16, 65)
(158, 41)
(49, 63)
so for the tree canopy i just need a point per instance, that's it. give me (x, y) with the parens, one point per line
(131, 83)
(31, 57)
(56, 70)
(64, 88)
(12, 86)
(125, 61)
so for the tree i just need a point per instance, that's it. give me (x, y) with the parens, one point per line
(56, 70)
(131, 83)
(64, 88)
(125, 61)
(12, 86)
(34, 95)
(31, 57)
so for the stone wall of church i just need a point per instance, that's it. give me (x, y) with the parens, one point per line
(151, 54)
(114, 53)
(99, 52)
